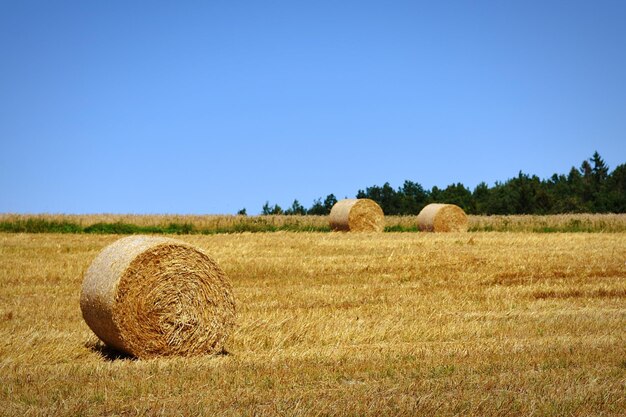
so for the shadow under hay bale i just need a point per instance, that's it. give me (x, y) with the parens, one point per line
(108, 353)
(152, 296)
(357, 215)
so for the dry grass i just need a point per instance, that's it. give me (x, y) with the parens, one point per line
(561, 222)
(517, 223)
(208, 221)
(339, 324)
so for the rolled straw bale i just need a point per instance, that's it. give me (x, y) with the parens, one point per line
(152, 296)
(442, 218)
(357, 215)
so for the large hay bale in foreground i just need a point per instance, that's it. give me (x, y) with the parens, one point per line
(152, 296)
(357, 215)
(442, 218)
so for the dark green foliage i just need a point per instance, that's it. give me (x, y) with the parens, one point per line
(317, 208)
(322, 209)
(390, 200)
(130, 229)
(268, 210)
(413, 197)
(329, 202)
(180, 229)
(296, 209)
(457, 194)
(615, 190)
(481, 196)
(588, 189)
(39, 226)
(400, 228)
(113, 229)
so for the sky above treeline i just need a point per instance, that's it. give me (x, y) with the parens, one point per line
(210, 107)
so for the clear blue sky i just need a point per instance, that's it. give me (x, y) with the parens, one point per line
(212, 106)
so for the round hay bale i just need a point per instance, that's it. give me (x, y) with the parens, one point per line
(357, 215)
(442, 218)
(152, 296)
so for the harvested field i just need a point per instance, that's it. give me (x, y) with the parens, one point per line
(339, 324)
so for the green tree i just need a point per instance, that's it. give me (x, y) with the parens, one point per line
(296, 209)
(322, 208)
(575, 192)
(589, 188)
(501, 200)
(269, 210)
(435, 195)
(587, 185)
(481, 196)
(386, 197)
(592, 188)
(616, 190)
(599, 170)
(317, 208)
(599, 176)
(459, 195)
(562, 196)
(413, 197)
(329, 202)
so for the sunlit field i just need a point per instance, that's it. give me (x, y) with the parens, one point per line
(479, 323)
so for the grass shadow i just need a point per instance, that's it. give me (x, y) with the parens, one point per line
(111, 355)
(223, 352)
(107, 353)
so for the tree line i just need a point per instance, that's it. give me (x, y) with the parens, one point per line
(591, 188)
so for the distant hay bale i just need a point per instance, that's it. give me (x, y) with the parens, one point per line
(152, 296)
(442, 218)
(357, 215)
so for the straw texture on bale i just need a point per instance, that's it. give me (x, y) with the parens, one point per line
(152, 296)
(442, 218)
(357, 215)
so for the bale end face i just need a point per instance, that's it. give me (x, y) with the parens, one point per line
(442, 218)
(357, 215)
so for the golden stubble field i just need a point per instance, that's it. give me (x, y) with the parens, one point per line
(339, 324)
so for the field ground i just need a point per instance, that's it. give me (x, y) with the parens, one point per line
(339, 324)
